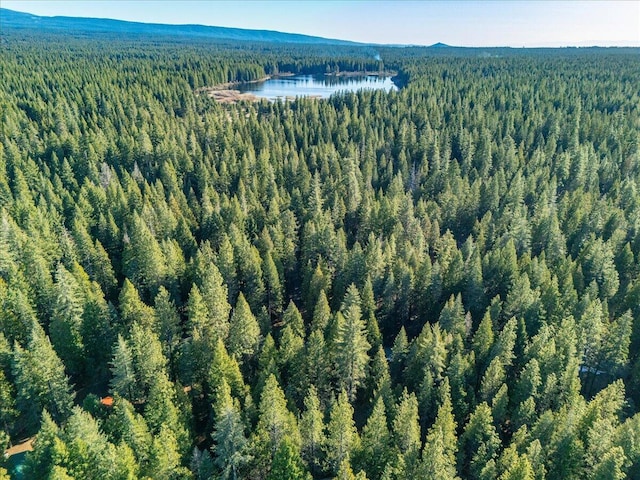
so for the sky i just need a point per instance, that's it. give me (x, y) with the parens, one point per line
(515, 23)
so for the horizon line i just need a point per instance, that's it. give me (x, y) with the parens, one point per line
(443, 44)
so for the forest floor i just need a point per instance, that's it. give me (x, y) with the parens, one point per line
(26, 446)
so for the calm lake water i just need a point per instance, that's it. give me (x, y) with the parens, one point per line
(314, 86)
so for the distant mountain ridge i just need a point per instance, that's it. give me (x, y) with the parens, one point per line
(11, 19)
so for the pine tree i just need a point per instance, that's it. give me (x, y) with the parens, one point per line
(161, 412)
(406, 432)
(351, 345)
(214, 293)
(439, 454)
(226, 264)
(452, 317)
(202, 339)
(399, 352)
(164, 456)
(168, 324)
(228, 436)
(275, 422)
(133, 309)
(90, 454)
(321, 313)
(66, 322)
(98, 330)
(482, 342)
(273, 286)
(317, 365)
(142, 258)
(293, 319)
(342, 436)
(345, 472)
(123, 381)
(7, 401)
(244, 331)
(148, 361)
(375, 448)
(267, 363)
(312, 431)
(478, 444)
(287, 464)
(515, 466)
(40, 381)
(40, 463)
(225, 368)
(319, 281)
(126, 426)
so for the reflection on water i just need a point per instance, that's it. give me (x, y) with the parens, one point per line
(314, 86)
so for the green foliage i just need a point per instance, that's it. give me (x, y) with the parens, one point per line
(79, 450)
(275, 424)
(439, 454)
(40, 381)
(351, 344)
(342, 436)
(456, 262)
(312, 432)
(244, 331)
(228, 435)
(66, 323)
(478, 443)
(375, 447)
(287, 464)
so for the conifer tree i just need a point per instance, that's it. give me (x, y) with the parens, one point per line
(478, 444)
(312, 431)
(351, 345)
(287, 464)
(133, 309)
(40, 462)
(143, 260)
(168, 324)
(244, 331)
(123, 381)
(375, 447)
(40, 381)
(130, 428)
(321, 313)
(214, 294)
(273, 286)
(342, 436)
(228, 435)
(439, 454)
(66, 322)
(275, 422)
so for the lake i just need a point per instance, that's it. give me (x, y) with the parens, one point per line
(321, 86)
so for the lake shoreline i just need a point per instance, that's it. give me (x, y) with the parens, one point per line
(362, 73)
(225, 93)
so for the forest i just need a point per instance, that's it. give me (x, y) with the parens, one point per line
(441, 282)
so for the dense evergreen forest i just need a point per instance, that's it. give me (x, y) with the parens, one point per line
(436, 283)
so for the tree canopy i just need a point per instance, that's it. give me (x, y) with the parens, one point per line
(436, 282)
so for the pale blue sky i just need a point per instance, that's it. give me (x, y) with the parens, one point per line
(513, 23)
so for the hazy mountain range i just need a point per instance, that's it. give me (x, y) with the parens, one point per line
(10, 19)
